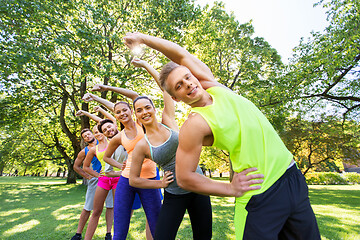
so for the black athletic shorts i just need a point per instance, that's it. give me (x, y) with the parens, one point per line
(283, 211)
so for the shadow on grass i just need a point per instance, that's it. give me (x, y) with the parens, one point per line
(338, 212)
(33, 211)
(344, 198)
(333, 228)
(39, 208)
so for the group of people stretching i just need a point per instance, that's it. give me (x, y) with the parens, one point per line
(271, 193)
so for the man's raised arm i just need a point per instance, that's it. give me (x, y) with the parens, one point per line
(174, 52)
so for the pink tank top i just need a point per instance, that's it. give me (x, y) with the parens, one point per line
(148, 169)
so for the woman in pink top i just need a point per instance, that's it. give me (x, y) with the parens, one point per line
(105, 184)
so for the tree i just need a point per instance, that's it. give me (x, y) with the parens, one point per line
(321, 145)
(53, 50)
(323, 75)
(244, 63)
(213, 159)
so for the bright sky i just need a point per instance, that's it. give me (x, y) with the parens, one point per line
(280, 22)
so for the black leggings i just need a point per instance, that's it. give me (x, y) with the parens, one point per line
(172, 213)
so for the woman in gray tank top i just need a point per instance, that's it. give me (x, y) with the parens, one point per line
(160, 145)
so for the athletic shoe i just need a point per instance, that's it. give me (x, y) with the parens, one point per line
(108, 236)
(76, 237)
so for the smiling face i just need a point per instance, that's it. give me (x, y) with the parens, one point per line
(122, 112)
(144, 111)
(183, 86)
(98, 135)
(109, 129)
(88, 136)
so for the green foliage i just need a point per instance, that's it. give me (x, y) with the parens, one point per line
(53, 51)
(325, 178)
(214, 159)
(332, 178)
(323, 75)
(245, 64)
(321, 145)
(352, 177)
(28, 147)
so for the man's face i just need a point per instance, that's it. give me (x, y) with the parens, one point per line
(183, 86)
(109, 130)
(88, 137)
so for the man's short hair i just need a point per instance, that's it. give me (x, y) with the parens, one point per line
(84, 130)
(165, 72)
(102, 122)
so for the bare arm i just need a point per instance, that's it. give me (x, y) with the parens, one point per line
(176, 54)
(114, 143)
(135, 180)
(187, 159)
(78, 163)
(87, 162)
(105, 113)
(125, 92)
(90, 115)
(92, 97)
(155, 74)
(113, 174)
(168, 115)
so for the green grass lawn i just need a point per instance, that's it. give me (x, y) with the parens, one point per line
(47, 208)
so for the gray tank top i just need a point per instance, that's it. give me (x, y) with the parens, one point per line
(164, 155)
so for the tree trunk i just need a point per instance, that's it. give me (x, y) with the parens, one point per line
(85, 121)
(58, 172)
(72, 175)
(2, 166)
(74, 142)
(231, 171)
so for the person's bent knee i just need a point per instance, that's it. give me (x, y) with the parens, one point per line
(97, 212)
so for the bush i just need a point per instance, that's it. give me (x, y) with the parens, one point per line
(352, 177)
(325, 178)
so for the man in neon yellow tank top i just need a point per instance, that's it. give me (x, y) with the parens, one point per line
(271, 193)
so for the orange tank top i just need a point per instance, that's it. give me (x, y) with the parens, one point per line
(148, 169)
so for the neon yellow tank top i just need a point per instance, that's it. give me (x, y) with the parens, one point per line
(240, 128)
(100, 156)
